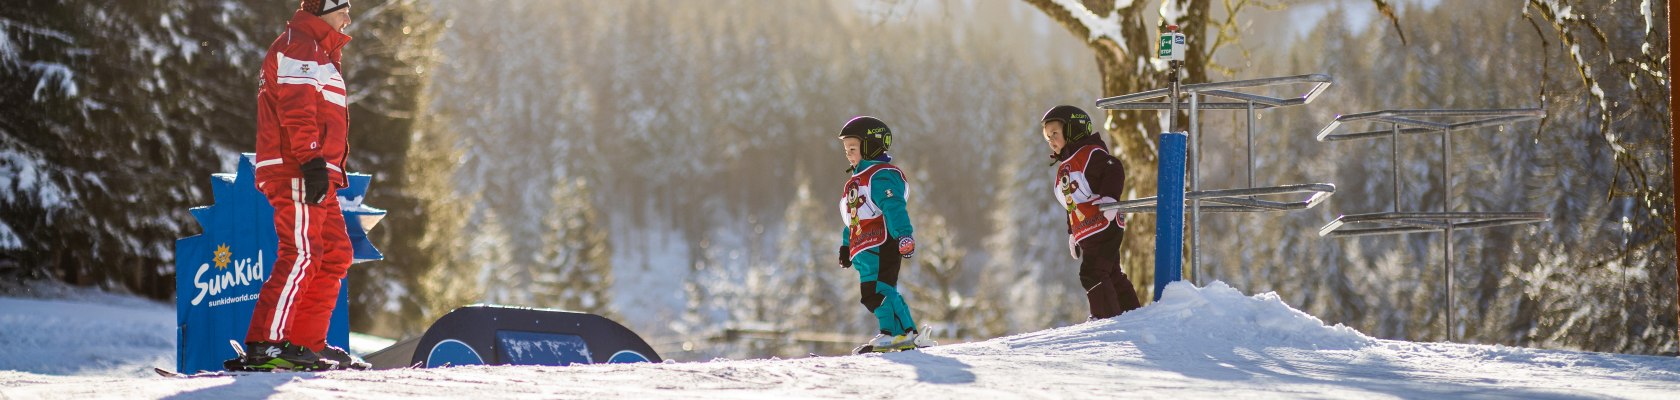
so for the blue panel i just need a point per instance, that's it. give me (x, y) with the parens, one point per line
(1169, 212)
(626, 357)
(535, 348)
(452, 353)
(529, 336)
(219, 274)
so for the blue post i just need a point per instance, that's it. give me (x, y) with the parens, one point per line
(1169, 211)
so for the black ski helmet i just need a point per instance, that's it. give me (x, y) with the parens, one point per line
(1076, 124)
(874, 134)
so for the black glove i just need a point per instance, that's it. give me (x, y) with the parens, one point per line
(845, 256)
(315, 181)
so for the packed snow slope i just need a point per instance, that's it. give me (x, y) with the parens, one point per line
(1195, 343)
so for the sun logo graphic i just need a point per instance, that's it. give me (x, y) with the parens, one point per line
(223, 256)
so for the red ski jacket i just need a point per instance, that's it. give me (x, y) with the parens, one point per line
(301, 104)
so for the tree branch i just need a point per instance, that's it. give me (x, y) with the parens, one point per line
(1387, 10)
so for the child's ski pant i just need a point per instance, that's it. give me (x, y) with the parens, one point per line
(878, 276)
(1106, 285)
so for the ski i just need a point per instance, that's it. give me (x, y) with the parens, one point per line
(168, 373)
(919, 343)
(238, 350)
(868, 349)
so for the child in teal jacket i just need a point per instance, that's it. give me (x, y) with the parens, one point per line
(878, 234)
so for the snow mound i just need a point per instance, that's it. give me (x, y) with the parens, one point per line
(1189, 317)
(1220, 312)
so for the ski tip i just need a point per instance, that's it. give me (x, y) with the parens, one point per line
(871, 350)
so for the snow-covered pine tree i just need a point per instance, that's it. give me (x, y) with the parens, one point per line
(822, 296)
(97, 99)
(397, 138)
(573, 270)
(940, 290)
(490, 256)
(169, 86)
(1026, 276)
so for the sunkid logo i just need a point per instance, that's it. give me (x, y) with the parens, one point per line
(244, 272)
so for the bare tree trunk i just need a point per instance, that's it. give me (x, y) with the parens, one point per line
(1673, 150)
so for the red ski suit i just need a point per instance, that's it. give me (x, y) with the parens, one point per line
(301, 116)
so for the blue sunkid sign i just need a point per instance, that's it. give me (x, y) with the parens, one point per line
(219, 273)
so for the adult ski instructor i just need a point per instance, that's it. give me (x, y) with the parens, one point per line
(302, 143)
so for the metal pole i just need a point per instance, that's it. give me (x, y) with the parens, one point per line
(1394, 150)
(1446, 206)
(1195, 185)
(1172, 94)
(1250, 145)
(1446, 173)
(1449, 235)
(1172, 109)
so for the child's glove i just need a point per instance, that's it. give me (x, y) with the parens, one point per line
(845, 256)
(1109, 214)
(1073, 247)
(907, 246)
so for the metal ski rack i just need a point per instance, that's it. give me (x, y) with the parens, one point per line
(1223, 96)
(1395, 222)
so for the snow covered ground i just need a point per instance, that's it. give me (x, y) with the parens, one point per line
(84, 335)
(1196, 343)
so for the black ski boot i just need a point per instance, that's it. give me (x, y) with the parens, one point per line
(283, 356)
(344, 359)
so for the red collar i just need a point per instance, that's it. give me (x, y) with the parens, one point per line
(316, 28)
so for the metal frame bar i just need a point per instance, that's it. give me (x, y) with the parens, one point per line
(1192, 97)
(1446, 221)
(1397, 223)
(1412, 222)
(1243, 198)
(1411, 122)
(1139, 100)
(1195, 168)
(1408, 118)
